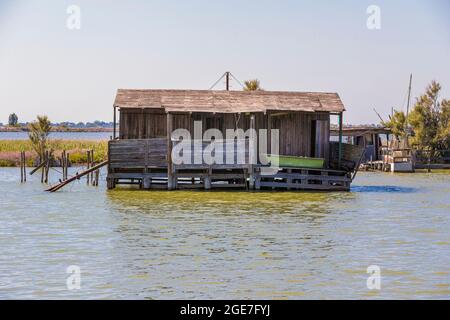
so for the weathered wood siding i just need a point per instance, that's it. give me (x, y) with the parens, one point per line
(137, 153)
(142, 124)
(296, 133)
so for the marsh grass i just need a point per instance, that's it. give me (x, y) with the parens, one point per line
(10, 151)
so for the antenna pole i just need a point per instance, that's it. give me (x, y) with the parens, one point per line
(227, 80)
(407, 106)
(409, 95)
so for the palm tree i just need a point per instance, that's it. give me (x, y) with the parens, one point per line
(39, 131)
(252, 85)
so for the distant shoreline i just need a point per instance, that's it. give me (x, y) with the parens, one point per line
(57, 129)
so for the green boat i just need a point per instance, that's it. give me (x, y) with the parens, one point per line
(298, 162)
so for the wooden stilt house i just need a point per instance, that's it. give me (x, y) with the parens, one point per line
(142, 149)
(368, 137)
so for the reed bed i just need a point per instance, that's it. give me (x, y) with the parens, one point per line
(10, 151)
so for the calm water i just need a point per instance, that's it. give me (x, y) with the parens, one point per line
(161, 245)
(59, 135)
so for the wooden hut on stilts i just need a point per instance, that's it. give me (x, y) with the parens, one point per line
(296, 123)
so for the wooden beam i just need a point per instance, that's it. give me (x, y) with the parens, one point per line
(114, 123)
(269, 136)
(169, 152)
(340, 140)
(252, 152)
(77, 177)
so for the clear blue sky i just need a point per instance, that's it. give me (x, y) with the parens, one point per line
(288, 45)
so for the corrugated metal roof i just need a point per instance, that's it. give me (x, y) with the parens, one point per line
(228, 101)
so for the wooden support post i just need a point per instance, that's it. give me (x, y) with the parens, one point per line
(147, 182)
(253, 153)
(114, 123)
(110, 183)
(304, 181)
(340, 140)
(207, 179)
(325, 182)
(169, 152)
(257, 173)
(258, 183)
(289, 180)
(269, 134)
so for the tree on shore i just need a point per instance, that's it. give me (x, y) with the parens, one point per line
(39, 131)
(252, 85)
(397, 124)
(430, 120)
(13, 120)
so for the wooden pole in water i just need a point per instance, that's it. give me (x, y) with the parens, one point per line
(92, 164)
(97, 175)
(47, 165)
(24, 167)
(169, 152)
(63, 162)
(21, 167)
(340, 140)
(66, 166)
(43, 167)
(88, 164)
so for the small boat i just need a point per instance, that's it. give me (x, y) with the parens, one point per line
(297, 162)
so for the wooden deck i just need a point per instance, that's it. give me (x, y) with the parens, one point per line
(144, 162)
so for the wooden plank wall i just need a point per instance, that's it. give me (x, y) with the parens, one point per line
(295, 127)
(295, 132)
(137, 153)
(142, 123)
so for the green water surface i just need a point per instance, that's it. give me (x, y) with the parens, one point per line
(226, 245)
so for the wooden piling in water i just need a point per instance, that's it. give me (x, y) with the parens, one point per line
(42, 165)
(63, 163)
(92, 165)
(66, 166)
(97, 175)
(47, 166)
(21, 166)
(24, 167)
(88, 163)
